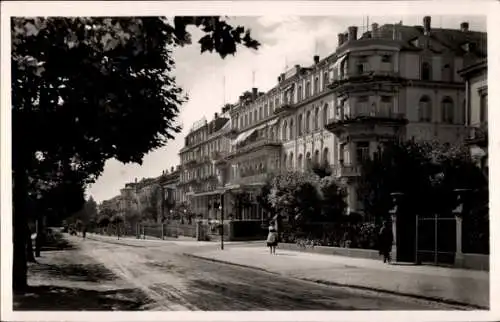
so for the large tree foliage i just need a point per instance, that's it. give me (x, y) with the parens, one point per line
(85, 90)
(426, 172)
(333, 197)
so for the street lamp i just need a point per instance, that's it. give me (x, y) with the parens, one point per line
(221, 208)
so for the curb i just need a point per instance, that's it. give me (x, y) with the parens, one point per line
(366, 288)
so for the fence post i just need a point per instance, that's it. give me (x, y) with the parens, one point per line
(435, 239)
(416, 240)
(459, 256)
(162, 233)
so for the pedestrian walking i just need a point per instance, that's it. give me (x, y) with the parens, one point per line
(272, 240)
(385, 241)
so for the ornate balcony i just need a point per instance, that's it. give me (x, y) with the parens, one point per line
(255, 179)
(380, 118)
(284, 108)
(367, 79)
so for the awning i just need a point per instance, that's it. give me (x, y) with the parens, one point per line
(339, 61)
(242, 137)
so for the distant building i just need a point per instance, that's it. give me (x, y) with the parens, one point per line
(198, 177)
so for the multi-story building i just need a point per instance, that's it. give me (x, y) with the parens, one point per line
(396, 81)
(475, 75)
(198, 178)
(171, 195)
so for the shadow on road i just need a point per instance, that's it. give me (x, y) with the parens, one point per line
(50, 298)
(93, 273)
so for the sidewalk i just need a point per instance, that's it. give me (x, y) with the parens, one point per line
(451, 285)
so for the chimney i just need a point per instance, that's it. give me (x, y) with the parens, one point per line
(171, 169)
(135, 180)
(297, 69)
(427, 25)
(375, 30)
(279, 79)
(316, 59)
(464, 26)
(255, 93)
(352, 32)
(216, 116)
(340, 38)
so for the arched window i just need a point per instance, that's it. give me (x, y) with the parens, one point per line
(246, 119)
(425, 109)
(426, 71)
(255, 119)
(283, 131)
(325, 115)
(308, 89)
(291, 136)
(316, 119)
(299, 162)
(325, 80)
(447, 73)
(299, 93)
(266, 110)
(316, 85)
(241, 121)
(308, 160)
(300, 125)
(308, 122)
(326, 158)
(261, 115)
(316, 157)
(447, 111)
(290, 161)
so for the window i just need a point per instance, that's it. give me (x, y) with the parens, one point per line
(299, 161)
(308, 122)
(316, 85)
(308, 89)
(325, 80)
(260, 113)
(447, 73)
(325, 115)
(483, 108)
(291, 136)
(360, 69)
(255, 119)
(386, 99)
(299, 93)
(386, 58)
(316, 157)
(283, 134)
(290, 165)
(426, 71)
(316, 119)
(308, 160)
(326, 159)
(300, 125)
(276, 102)
(362, 151)
(246, 119)
(447, 111)
(425, 109)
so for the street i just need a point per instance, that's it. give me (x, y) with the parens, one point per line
(168, 280)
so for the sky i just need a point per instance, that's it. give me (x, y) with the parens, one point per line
(286, 41)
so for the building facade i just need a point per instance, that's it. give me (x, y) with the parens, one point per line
(476, 80)
(396, 81)
(198, 177)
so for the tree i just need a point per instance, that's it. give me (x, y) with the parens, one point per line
(427, 171)
(296, 195)
(263, 197)
(333, 197)
(322, 170)
(92, 89)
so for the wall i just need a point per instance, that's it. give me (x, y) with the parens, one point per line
(475, 84)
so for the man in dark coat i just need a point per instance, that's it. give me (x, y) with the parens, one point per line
(385, 241)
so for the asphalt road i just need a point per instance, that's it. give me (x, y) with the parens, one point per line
(172, 281)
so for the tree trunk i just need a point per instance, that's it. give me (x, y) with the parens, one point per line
(29, 246)
(40, 234)
(19, 223)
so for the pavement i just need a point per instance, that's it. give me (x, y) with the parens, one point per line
(450, 285)
(99, 272)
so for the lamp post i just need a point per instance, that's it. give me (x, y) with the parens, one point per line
(221, 208)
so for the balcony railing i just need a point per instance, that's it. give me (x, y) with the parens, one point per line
(346, 170)
(369, 76)
(253, 179)
(257, 143)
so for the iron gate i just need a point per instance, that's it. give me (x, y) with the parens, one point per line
(435, 240)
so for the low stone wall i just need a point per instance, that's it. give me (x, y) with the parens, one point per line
(475, 261)
(340, 251)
